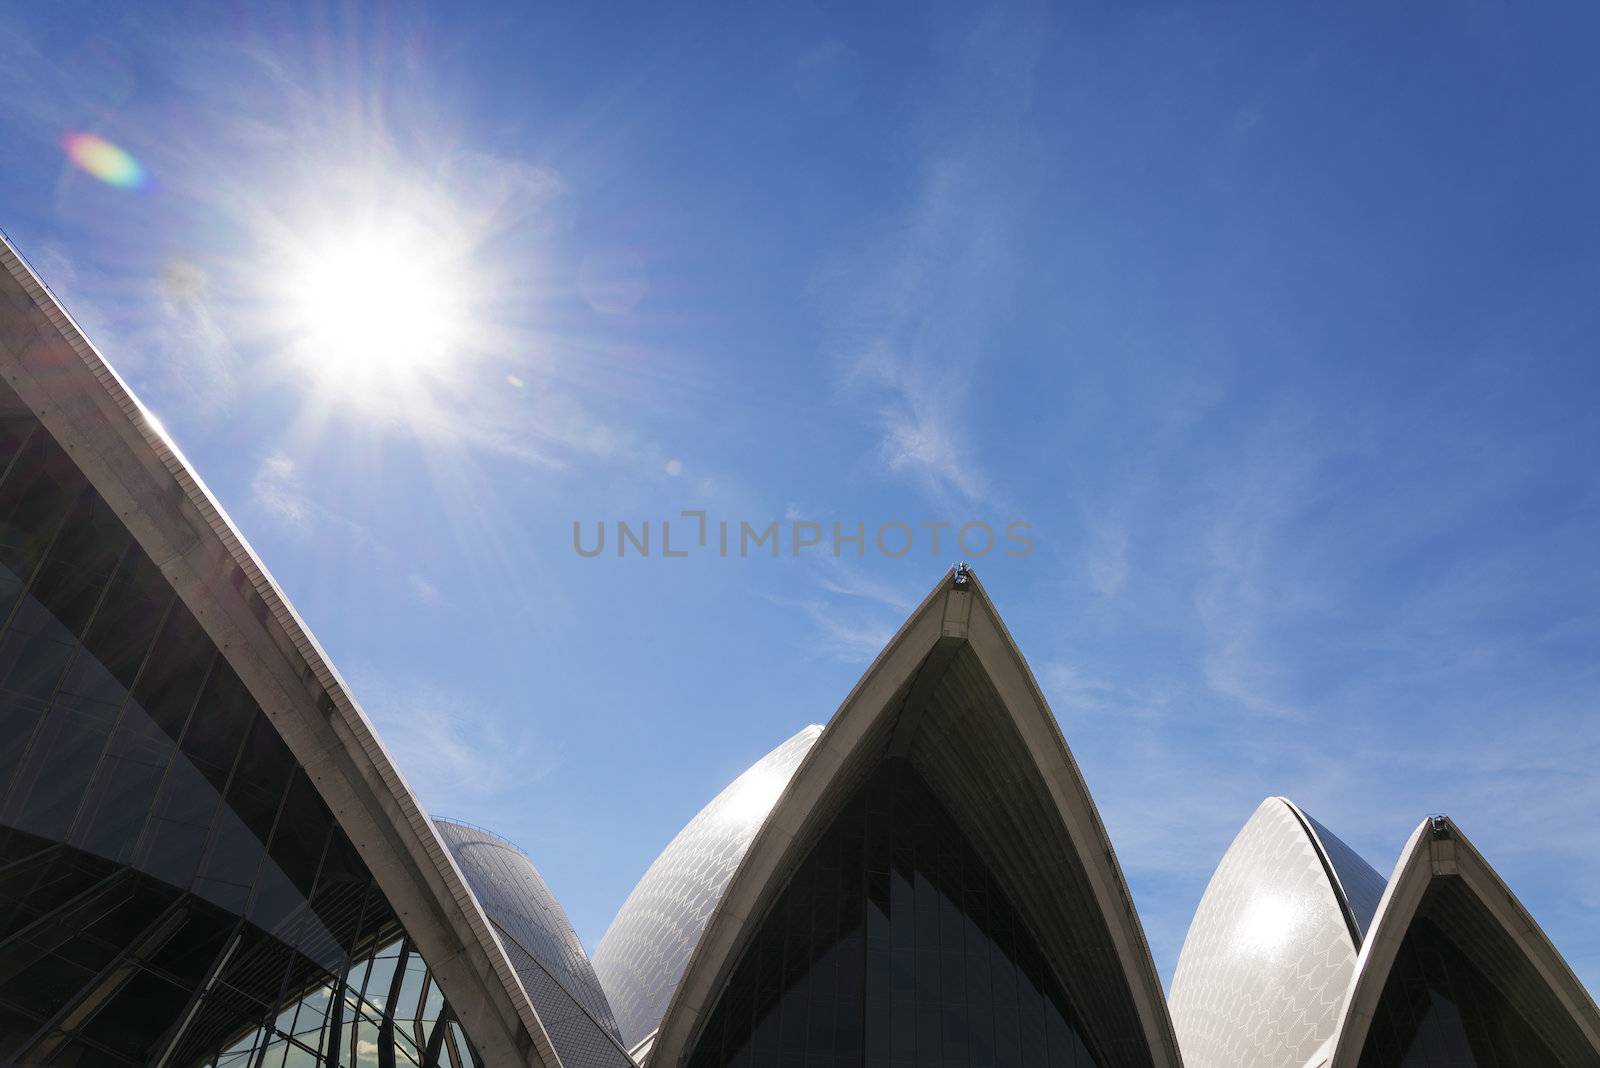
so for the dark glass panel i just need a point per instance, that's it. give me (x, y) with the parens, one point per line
(19, 718)
(16, 1027)
(33, 497)
(892, 945)
(218, 726)
(293, 856)
(245, 821)
(136, 831)
(264, 769)
(188, 809)
(123, 629)
(134, 1019)
(119, 802)
(1066, 1047)
(11, 587)
(232, 861)
(66, 591)
(31, 664)
(341, 894)
(41, 878)
(177, 667)
(189, 956)
(16, 426)
(1438, 1010)
(47, 982)
(1030, 1005)
(65, 752)
(92, 539)
(175, 838)
(113, 919)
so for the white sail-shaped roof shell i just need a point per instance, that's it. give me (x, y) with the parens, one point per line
(1272, 947)
(642, 955)
(543, 948)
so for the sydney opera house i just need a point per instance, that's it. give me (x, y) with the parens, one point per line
(207, 857)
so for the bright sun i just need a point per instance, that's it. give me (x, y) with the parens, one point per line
(369, 309)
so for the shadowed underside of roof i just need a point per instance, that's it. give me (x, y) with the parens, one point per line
(988, 780)
(1449, 932)
(952, 697)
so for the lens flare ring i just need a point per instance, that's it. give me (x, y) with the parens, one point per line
(104, 160)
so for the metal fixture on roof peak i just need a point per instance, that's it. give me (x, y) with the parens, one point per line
(962, 573)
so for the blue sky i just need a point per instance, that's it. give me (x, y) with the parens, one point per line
(1277, 325)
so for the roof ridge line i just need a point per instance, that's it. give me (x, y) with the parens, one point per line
(1340, 894)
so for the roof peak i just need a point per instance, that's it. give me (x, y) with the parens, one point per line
(953, 655)
(1442, 877)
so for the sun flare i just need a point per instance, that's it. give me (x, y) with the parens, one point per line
(369, 308)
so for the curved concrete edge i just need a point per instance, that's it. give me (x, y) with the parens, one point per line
(1438, 849)
(128, 458)
(641, 1052)
(946, 614)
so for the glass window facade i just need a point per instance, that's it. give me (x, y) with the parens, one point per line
(1438, 1010)
(173, 889)
(893, 946)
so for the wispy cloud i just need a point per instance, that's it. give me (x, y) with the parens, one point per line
(854, 612)
(275, 489)
(191, 344)
(1107, 561)
(425, 592)
(859, 584)
(845, 627)
(1249, 512)
(455, 751)
(278, 491)
(911, 317)
(846, 634)
(1306, 606)
(851, 579)
(1071, 690)
(544, 427)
